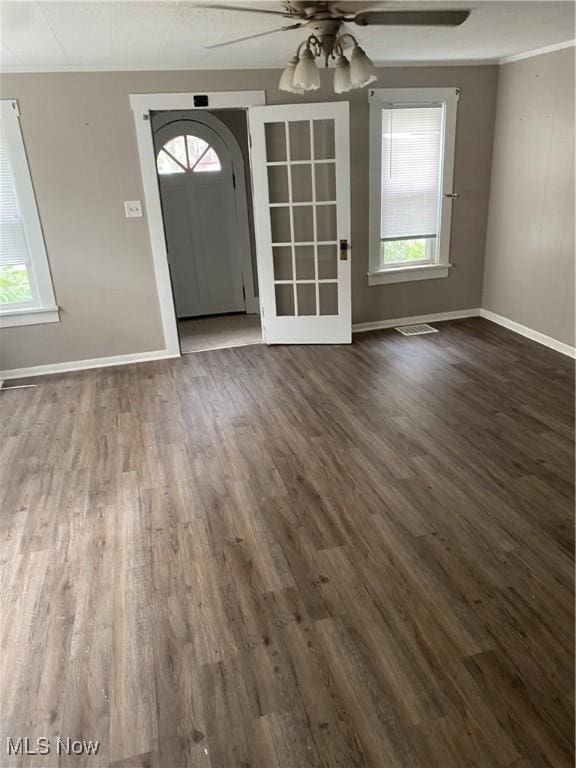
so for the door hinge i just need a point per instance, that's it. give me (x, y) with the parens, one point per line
(244, 292)
(250, 139)
(458, 92)
(234, 180)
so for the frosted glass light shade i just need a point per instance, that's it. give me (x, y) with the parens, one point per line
(342, 82)
(362, 70)
(306, 75)
(287, 79)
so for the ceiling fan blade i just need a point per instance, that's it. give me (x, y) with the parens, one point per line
(411, 18)
(243, 8)
(251, 37)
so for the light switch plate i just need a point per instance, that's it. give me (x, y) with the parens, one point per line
(133, 209)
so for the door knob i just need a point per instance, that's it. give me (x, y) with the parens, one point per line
(343, 250)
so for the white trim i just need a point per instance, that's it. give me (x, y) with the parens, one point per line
(232, 345)
(29, 316)
(460, 314)
(141, 106)
(144, 102)
(537, 52)
(143, 357)
(39, 269)
(529, 333)
(378, 98)
(437, 317)
(83, 365)
(408, 274)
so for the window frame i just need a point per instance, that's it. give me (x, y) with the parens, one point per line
(42, 308)
(380, 98)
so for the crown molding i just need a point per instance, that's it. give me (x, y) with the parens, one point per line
(537, 52)
(84, 365)
(71, 69)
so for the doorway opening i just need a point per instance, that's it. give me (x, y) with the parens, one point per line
(202, 164)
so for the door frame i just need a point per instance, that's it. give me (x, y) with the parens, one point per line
(142, 104)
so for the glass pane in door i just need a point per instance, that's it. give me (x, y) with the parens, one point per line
(306, 299)
(326, 229)
(299, 140)
(282, 256)
(324, 140)
(280, 223)
(327, 262)
(303, 223)
(278, 183)
(305, 266)
(328, 296)
(301, 183)
(275, 142)
(325, 177)
(284, 300)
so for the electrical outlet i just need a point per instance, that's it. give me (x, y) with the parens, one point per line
(133, 209)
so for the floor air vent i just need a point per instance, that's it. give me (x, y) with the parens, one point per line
(415, 330)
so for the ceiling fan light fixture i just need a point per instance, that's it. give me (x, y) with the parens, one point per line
(287, 79)
(306, 75)
(342, 81)
(362, 69)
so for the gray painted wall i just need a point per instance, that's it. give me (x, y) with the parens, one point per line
(529, 274)
(80, 138)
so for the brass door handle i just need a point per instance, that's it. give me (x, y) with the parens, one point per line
(344, 247)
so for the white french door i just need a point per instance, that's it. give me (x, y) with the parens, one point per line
(301, 179)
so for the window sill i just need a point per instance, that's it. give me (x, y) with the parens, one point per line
(407, 274)
(28, 316)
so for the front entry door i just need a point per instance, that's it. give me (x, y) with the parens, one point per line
(197, 189)
(301, 174)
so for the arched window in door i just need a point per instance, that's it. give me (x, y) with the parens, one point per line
(187, 153)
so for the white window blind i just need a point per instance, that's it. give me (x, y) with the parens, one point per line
(411, 171)
(13, 246)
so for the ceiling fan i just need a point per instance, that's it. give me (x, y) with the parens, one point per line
(326, 40)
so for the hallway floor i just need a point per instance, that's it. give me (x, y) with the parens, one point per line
(218, 332)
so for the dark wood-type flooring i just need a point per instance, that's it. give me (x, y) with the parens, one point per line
(295, 556)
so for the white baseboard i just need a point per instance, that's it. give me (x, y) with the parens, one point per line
(163, 354)
(82, 365)
(458, 314)
(511, 325)
(523, 330)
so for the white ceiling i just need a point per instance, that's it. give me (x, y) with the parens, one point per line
(126, 34)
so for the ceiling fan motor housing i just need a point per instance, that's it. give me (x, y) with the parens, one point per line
(326, 31)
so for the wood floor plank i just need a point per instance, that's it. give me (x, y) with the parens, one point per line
(295, 557)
